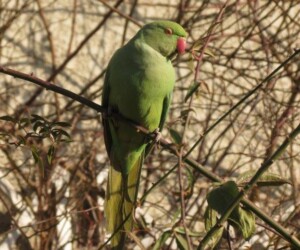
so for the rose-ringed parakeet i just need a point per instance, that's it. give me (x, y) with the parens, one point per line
(138, 85)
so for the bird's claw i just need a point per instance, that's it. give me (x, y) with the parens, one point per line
(157, 135)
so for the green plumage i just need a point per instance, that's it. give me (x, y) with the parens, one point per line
(138, 84)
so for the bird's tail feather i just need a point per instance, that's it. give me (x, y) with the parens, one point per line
(120, 201)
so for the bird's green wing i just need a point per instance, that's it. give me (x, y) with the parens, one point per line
(163, 117)
(105, 96)
(166, 105)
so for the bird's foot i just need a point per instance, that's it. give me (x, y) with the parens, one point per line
(157, 135)
(154, 138)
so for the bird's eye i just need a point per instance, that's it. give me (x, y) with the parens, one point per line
(168, 31)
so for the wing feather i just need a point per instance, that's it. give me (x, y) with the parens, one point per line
(105, 101)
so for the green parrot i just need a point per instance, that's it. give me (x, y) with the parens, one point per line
(138, 85)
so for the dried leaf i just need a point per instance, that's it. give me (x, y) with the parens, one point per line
(204, 87)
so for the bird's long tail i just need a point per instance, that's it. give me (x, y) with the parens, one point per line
(119, 202)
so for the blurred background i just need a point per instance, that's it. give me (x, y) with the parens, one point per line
(53, 163)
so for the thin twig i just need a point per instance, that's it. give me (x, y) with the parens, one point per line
(50, 86)
(114, 9)
(134, 4)
(74, 14)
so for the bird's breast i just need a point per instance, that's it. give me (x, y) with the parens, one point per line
(140, 88)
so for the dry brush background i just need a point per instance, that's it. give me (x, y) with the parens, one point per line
(57, 203)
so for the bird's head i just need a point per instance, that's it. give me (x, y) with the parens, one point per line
(166, 37)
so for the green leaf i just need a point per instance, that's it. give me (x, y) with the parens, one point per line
(37, 118)
(24, 122)
(181, 241)
(50, 154)
(44, 131)
(66, 140)
(63, 132)
(185, 112)
(216, 237)
(8, 118)
(190, 63)
(190, 181)
(221, 198)
(210, 217)
(162, 239)
(35, 154)
(181, 230)
(198, 45)
(175, 136)
(37, 125)
(209, 52)
(22, 140)
(267, 179)
(246, 223)
(192, 89)
(58, 133)
(62, 124)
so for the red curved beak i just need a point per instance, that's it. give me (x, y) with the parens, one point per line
(181, 45)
